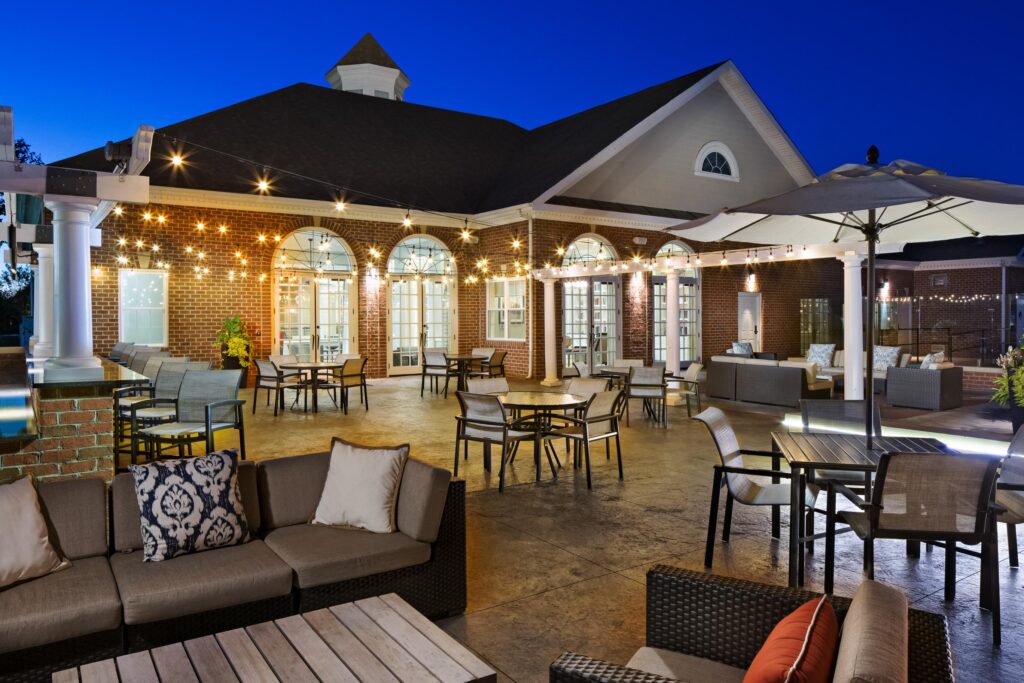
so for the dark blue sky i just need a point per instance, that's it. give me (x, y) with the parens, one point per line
(940, 83)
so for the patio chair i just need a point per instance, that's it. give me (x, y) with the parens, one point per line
(140, 359)
(648, 384)
(152, 368)
(115, 352)
(586, 386)
(132, 410)
(207, 403)
(598, 420)
(1010, 494)
(628, 363)
(941, 498)
(436, 366)
(487, 385)
(485, 420)
(688, 386)
(125, 397)
(493, 367)
(582, 369)
(739, 481)
(274, 381)
(122, 356)
(351, 375)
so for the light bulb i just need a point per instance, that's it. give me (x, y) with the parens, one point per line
(176, 160)
(516, 243)
(261, 238)
(339, 206)
(118, 210)
(200, 227)
(147, 216)
(161, 219)
(262, 185)
(222, 229)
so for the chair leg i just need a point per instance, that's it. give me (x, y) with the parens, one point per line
(689, 413)
(501, 470)
(618, 451)
(1011, 544)
(727, 521)
(456, 454)
(830, 539)
(869, 557)
(423, 382)
(627, 411)
(809, 530)
(709, 549)
(950, 583)
(586, 456)
(255, 393)
(241, 438)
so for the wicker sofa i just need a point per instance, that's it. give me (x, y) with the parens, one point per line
(933, 389)
(756, 380)
(716, 625)
(109, 602)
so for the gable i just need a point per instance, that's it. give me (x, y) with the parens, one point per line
(657, 169)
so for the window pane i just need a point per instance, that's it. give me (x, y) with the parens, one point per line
(143, 306)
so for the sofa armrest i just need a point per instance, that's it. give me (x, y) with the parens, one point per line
(574, 668)
(929, 657)
(716, 617)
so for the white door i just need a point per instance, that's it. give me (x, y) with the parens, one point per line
(420, 315)
(591, 329)
(315, 317)
(749, 319)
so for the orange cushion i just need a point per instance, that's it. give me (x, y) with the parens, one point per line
(784, 649)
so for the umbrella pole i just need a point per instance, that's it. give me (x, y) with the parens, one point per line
(871, 231)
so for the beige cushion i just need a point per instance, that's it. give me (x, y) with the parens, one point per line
(837, 359)
(26, 549)
(200, 582)
(728, 359)
(873, 644)
(939, 366)
(811, 369)
(683, 667)
(361, 490)
(75, 602)
(421, 498)
(761, 361)
(321, 555)
(820, 384)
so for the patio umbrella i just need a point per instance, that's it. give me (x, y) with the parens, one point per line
(896, 203)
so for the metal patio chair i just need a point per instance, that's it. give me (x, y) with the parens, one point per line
(115, 352)
(740, 484)
(436, 366)
(276, 382)
(688, 386)
(492, 367)
(351, 375)
(487, 385)
(941, 498)
(207, 403)
(139, 360)
(648, 384)
(598, 420)
(582, 369)
(1010, 494)
(485, 420)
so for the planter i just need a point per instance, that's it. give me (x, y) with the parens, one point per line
(1016, 411)
(232, 363)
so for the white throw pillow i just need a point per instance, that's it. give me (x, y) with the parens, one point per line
(26, 551)
(362, 487)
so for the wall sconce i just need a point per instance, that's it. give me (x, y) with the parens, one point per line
(751, 283)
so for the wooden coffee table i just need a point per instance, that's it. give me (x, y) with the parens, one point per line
(376, 639)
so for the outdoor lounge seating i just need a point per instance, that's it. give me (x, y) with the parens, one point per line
(703, 627)
(782, 383)
(941, 388)
(110, 601)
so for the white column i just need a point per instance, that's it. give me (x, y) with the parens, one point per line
(43, 314)
(550, 337)
(672, 322)
(35, 309)
(853, 327)
(72, 282)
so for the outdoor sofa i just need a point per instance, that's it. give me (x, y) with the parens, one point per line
(939, 388)
(702, 627)
(837, 369)
(755, 380)
(109, 601)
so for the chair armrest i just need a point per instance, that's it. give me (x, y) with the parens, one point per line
(151, 403)
(754, 471)
(1009, 486)
(476, 421)
(574, 668)
(133, 390)
(236, 403)
(849, 495)
(769, 454)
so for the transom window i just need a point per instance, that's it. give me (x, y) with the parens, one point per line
(716, 160)
(420, 255)
(587, 250)
(314, 250)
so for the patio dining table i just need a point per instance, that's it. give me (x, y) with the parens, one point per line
(315, 370)
(543, 404)
(463, 363)
(807, 452)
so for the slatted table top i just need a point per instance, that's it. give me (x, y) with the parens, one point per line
(376, 639)
(834, 451)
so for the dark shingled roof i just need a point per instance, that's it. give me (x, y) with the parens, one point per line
(413, 155)
(368, 51)
(988, 246)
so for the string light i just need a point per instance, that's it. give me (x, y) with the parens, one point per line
(339, 206)
(118, 210)
(560, 251)
(374, 253)
(748, 256)
(139, 244)
(263, 185)
(261, 238)
(222, 229)
(188, 249)
(771, 254)
(161, 219)
(516, 243)
(155, 247)
(176, 160)
(122, 241)
(277, 238)
(724, 260)
(200, 227)
(407, 221)
(147, 216)
(122, 259)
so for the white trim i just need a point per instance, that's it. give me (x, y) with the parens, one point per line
(952, 264)
(723, 149)
(166, 307)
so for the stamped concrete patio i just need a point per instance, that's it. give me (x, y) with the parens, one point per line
(555, 567)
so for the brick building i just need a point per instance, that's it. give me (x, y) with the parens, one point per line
(344, 219)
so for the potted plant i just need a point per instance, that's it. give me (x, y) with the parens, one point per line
(235, 346)
(1009, 390)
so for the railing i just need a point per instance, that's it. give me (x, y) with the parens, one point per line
(981, 346)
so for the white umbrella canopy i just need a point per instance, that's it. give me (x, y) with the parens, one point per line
(899, 202)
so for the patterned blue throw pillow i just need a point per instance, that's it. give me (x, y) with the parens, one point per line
(189, 505)
(743, 348)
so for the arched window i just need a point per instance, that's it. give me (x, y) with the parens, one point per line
(421, 255)
(588, 249)
(314, 250)
(716, 160)
(315, 296)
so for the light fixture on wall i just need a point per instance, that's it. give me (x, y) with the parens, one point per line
(724, 260)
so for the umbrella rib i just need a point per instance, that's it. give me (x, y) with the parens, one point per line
(835, 239)
(974, 233)
(929, 205)
(748, 225)
(933, 209)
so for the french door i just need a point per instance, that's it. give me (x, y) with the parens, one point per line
(315, 317)
(689, 318)
(421, 314)
(591, 322)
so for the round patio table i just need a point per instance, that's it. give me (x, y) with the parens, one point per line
(542, 403)
(462, 362)
(314, 369)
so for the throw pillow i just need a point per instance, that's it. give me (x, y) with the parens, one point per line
(800, 648)
(821, 354)
(361, 490)
(743, 347)
(27, 552)
(933, 359)
(191, 505)
(886, 357)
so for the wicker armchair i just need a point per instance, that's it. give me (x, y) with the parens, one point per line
(740, 486)
(942, 498)
(727, 620)
(485, 420)
(648, 384)
(207, 402)
(928, 389)
(597, 421)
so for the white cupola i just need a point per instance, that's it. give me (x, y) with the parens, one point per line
(368, 70)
